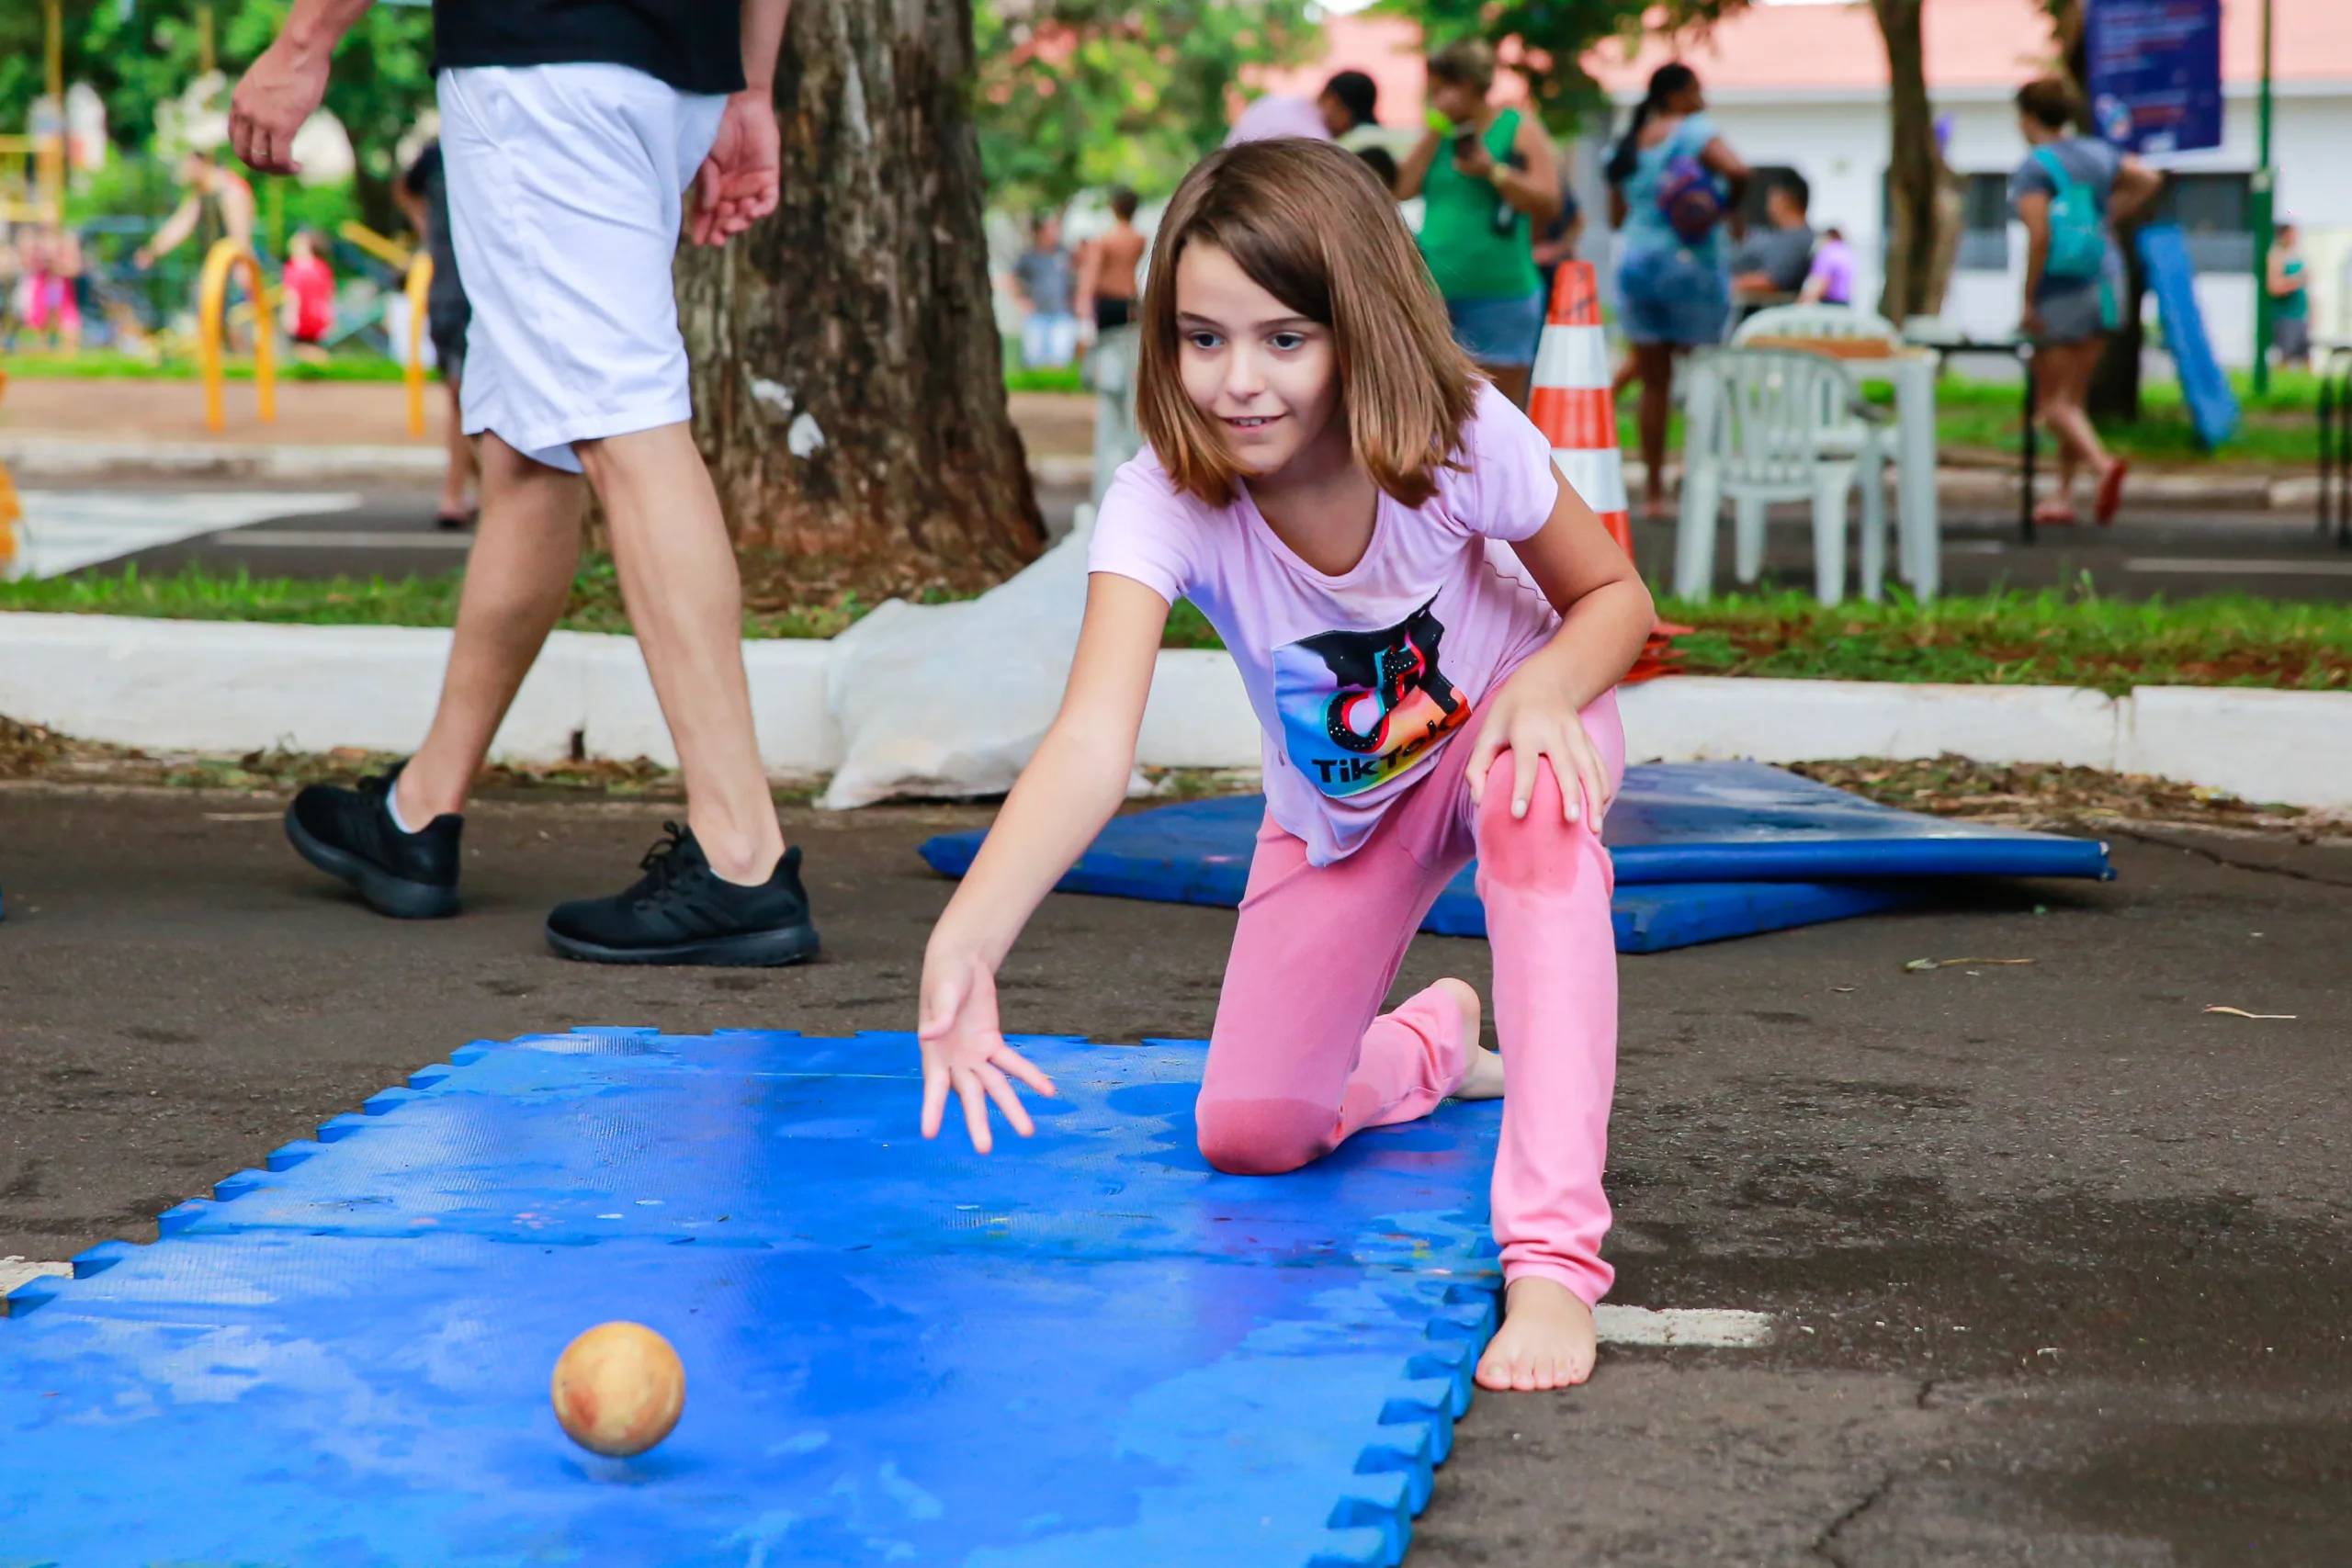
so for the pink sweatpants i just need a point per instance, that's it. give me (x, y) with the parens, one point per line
(1298, 1060)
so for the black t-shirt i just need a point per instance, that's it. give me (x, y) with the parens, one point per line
(697, 46)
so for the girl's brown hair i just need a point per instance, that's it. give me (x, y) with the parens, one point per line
(1309, 225)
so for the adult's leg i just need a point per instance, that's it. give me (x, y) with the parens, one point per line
(1298, 1060)
(1511, 379)
(1657, 405)
(685, 600)
(1546, 883)
(517, 577)
(459, 477)
(2065, 410)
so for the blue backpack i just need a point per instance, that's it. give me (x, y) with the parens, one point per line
(2077, 222)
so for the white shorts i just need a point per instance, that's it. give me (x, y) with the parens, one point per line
(565, 184)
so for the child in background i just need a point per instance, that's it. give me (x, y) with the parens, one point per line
(46, 297)
(309, 283)
(1430, 624)
(1830, 281)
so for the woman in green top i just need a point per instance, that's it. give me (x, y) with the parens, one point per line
(2291, 301)
(1483, 174)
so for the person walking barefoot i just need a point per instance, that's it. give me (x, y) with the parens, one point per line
(1430, 626)
(570, 131)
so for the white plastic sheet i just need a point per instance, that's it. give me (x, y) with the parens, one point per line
(951, 700)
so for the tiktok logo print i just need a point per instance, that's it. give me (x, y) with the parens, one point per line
(1358, 708)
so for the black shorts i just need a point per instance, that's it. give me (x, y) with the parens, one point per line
(1108, 313)
(448, 324)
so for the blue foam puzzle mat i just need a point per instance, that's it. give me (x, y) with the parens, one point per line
(1702, 850)
(1085, 1349)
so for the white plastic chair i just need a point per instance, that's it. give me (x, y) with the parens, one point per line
(1753, 435)
(1842, 428)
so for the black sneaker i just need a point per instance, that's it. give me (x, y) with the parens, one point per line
(350, 833)
(682, 912)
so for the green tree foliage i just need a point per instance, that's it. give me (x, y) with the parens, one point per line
(1546, 41)
(381, 77)
(1075, 93)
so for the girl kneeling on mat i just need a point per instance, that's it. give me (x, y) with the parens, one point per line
(1428, 623)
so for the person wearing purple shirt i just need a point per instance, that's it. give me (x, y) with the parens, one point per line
(1831, 281)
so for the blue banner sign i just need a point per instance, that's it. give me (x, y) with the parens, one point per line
(2155, 72)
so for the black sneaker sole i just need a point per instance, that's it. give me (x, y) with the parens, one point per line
(383, 892)
(771, 949)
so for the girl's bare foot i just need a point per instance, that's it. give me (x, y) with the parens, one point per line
(1547, 1339)
(1483, 1079)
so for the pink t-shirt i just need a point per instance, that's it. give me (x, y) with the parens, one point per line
(1357, 679)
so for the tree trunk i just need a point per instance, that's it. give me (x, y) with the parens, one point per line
(1911, 175)
(848, 377)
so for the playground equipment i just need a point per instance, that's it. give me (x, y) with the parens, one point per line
(420, 280)
(211, 311)
(12, 511)
(41, 198)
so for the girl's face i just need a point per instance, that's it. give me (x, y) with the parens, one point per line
(1266, 375)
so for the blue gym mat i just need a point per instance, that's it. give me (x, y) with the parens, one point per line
(1087, 1348)
(1703, 851)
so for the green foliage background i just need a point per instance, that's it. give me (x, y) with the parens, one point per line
(1546, 41)
(1078, 94)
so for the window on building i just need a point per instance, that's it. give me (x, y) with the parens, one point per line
(1984, 223)
(2215, 213)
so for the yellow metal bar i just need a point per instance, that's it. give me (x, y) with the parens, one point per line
(392, 253)
(419, 279)
(51, 158)
(211, 313)
(12, 512)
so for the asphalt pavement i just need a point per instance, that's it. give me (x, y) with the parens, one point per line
(2173, 552)
(2058, 1259)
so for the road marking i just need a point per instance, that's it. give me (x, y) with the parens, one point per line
(2239, 566)
(15, 1271)
(1721, 1327)
(66, 530)
(334, 539)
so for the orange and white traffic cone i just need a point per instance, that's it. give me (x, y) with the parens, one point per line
(1571, 402)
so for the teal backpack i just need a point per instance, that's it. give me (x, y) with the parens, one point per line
(2077, 222)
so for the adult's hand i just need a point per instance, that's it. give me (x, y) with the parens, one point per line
(280, 91)
(740, 182)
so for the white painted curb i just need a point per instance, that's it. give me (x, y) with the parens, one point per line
(230, 686)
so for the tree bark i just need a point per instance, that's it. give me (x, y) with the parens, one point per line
(848, 376)
(1912, 170)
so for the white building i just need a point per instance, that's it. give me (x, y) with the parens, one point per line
(1802, 85)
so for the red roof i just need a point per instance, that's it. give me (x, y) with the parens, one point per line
(1983, 45)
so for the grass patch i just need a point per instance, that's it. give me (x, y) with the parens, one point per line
(1043, 378)
(2042, 638)
(112, 364)
(194, 594)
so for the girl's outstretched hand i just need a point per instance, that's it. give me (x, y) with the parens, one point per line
(1534, 717)
(963, 1049)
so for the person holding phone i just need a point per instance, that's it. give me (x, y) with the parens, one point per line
(1486, 177)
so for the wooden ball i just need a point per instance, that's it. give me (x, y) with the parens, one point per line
(619, 1388)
